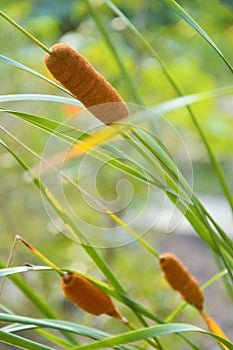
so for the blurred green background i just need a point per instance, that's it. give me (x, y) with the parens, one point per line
(195, 66)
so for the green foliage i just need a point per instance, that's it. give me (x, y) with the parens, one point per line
(162, 57)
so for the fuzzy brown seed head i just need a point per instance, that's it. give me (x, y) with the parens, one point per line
(181, 280)
(88, 296)
(77, 75)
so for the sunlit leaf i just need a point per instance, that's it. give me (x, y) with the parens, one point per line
(60, 325)
(173, 5)
(11, 62)
(21, 342)
(150, 333)
(40, 97)
(12, 270)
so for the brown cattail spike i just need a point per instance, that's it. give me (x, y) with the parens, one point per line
(88, 296)
(181, 280)
(76, 74)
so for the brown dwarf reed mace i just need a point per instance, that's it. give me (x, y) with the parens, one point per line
(181, 280)
(78, 76)
(80, 291)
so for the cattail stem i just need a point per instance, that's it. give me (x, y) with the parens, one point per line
(132, 232)
(214, 328)
(25, 32)
(41, 256)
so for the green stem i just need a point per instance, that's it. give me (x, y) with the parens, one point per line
(174, 6)
(164, 158)
(115, 53)
(133, 233)
(74, 230)
(215, 163)
(108, 212)
(78, 236)
(41, 256)
(25, 32)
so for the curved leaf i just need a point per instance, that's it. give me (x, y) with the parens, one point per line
(22, 343)
(150, 332)
(174, 6)
(18, 269)
(58, 325)
(216, 165)
(40, 97)
(31, 71)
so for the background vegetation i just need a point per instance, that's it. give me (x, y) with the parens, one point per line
(105, 40)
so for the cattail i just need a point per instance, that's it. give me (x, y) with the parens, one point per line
(88, 296)
(181, 280)
(80, 290)
(78, 76)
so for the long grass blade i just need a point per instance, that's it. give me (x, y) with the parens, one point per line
(72, 228)
(21, 342)
(25, 32)
(165, 163)
(75, 328)
(40, 97)
(11, 62)
(141, 334)
(109, 42)
(109, 154)
(215, 163)
(174, 6)
(18, 269)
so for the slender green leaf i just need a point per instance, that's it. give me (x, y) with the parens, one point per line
(17, 327)
(54, 338)
(183, 101)
(25, 32)
(11, 62)
(40, 97)
(28, 291)
(21, 343)
(76, 233)
(66, 132)
(115, 52)
(51, 125)
(149, 141)
(12, 270)
(174, 6)
(59, 325)
(149, 114)
(148, 333)
(215, 163)
(71, 134)
(13, 328)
